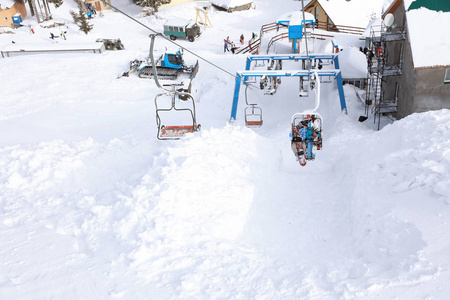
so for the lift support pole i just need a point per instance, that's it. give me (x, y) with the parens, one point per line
(284, 73)
(237, 88)
(340, 87)
(296, 57)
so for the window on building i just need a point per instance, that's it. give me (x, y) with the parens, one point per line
(447, 76)
(316, 12)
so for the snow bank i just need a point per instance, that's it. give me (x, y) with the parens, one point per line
(352, 13)
(93, 206)
(428, 45)
(353, 63)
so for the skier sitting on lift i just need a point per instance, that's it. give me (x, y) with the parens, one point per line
(312, 129)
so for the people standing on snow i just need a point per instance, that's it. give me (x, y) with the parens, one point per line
(370, 56)
(225, 44)
(233, 47)
(63, 34)
(241, 39)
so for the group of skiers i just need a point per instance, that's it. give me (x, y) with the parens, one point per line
(309, 135)
(63, 35)
(230, 46)
(91, 10)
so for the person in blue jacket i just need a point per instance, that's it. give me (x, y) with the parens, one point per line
(310, 136)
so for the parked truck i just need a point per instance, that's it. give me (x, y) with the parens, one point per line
(182, 28)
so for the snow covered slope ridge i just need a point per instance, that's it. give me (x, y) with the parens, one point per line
(93, 206)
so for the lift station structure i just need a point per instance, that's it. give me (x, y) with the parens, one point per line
(336, 73)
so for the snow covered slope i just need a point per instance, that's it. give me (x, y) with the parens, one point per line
(93, 206)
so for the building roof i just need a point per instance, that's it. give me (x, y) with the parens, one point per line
(6, 3)
(436, 5)
(230, 3)
(285, 19)
(357, 13)
(177, 22)
(430, 43)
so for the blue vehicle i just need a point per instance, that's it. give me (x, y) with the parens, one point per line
(168, 66)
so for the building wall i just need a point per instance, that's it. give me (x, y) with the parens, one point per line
(99, 5)
(407, 80)
(431, 93)
(421, 89)
(6, 14)
(323, 17)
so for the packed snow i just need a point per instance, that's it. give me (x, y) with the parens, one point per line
(94, 206)
(429, 45)
(352, 13)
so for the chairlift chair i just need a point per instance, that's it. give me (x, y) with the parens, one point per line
(297, 120)
(253, 116)
(253, 113)
(174, 132)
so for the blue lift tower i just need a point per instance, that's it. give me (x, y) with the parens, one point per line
(336, 73)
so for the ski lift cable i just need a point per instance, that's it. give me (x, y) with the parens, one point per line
(304, 34)
(158, 33)
(317, 91)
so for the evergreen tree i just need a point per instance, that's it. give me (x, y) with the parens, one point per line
(57, 3)
(81, 20)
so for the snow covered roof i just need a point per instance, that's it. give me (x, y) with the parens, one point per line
(177, 22)
(356, 13)
(6, 3)
(429, 43)
(230, 3)
(386, 5)
(352, 63)
(286, 18)
(436, 5)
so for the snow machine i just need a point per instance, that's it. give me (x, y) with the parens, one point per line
(168, 66)
(171, 111)
(134, 64)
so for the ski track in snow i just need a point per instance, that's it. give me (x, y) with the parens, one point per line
(93, 206)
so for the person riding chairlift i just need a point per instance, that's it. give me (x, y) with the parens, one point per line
(312, 129)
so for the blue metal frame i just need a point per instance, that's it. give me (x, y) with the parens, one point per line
(287, 73)
(340, 87)
(237, 87)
